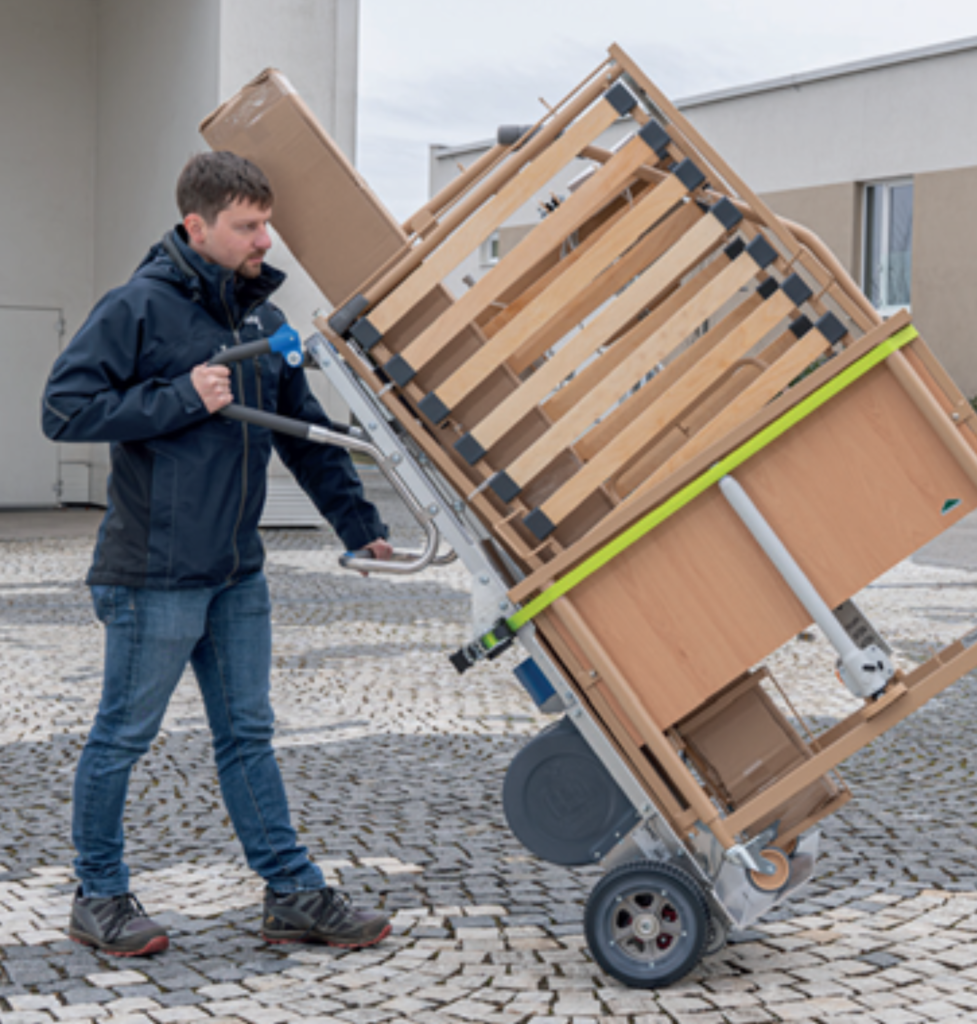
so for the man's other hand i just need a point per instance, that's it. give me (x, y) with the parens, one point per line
(380, 549)
(213, 384)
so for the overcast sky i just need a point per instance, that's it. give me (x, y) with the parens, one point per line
(451, 71)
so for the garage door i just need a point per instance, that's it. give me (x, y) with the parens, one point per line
(29, 341)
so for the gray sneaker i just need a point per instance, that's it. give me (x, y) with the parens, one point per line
(321, 915)
(116, 925)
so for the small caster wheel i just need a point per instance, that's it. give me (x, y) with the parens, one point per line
(647, 923)
(776, 882)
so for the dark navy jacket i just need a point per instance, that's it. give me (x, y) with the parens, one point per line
(187, 488)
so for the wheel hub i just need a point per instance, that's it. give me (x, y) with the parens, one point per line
(647, 927)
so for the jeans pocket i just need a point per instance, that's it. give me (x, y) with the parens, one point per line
(109, 601)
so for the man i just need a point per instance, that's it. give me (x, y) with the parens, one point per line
(177, 571)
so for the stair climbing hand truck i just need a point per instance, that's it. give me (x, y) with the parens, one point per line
(665, 433)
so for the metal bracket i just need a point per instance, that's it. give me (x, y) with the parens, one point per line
(747, 854)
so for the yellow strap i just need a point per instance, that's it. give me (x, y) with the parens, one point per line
(692, 490)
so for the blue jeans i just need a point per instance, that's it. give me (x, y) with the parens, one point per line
(225, 634)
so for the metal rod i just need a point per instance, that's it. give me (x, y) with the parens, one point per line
(402, 562)
(792, 573)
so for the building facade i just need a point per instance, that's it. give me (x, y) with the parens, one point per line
(877, 158)
(102, 99)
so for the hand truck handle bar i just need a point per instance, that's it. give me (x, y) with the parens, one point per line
(402, 562)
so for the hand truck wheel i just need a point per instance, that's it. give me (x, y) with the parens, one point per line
(647, 923)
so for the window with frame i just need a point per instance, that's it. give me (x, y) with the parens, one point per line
(887, 251)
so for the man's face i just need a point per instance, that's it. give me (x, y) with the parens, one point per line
(237, 240)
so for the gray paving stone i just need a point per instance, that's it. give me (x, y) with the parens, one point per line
(387, 753)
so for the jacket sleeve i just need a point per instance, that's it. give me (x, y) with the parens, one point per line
(94, 392)
(325, 472)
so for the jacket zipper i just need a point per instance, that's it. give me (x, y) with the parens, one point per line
(239, 374)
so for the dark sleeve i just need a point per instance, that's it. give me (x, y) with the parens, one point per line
(94, 392)
(325, 472)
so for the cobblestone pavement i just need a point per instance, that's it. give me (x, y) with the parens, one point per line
(394, 766)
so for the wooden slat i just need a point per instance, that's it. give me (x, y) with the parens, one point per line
(612, 424)
(519, 332)
(742, 270)
(644, 252)
(421, 221)
(625, 515)
(381, 285)
(521, 298)
(494, 213)
(588, 378)
(751, 400)
(643, 292)
(545, 237)
(647, 426)
(705, 152)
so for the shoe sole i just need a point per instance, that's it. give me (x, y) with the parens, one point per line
(155, 945)
(273, 941)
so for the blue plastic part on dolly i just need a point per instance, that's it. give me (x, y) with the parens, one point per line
(287, 342)
(530, 675)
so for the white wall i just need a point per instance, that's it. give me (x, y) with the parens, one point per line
(47, 153)
(156, 78)
(874, 120)
(101, 103)
(47, 166)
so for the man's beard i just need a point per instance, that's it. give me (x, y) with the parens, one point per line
(249, 269)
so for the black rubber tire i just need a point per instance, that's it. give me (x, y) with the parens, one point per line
(647, 923)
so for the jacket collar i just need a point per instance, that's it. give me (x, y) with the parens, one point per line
(221, 291)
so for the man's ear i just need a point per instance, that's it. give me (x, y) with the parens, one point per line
(196, 228)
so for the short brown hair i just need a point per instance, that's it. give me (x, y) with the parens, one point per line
(210, 182)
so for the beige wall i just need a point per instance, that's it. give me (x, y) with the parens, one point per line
(944, 282)
(944, 285)
(831, 211)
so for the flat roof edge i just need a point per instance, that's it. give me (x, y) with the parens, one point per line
(838, 71)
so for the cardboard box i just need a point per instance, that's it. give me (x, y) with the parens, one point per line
(740, 743)
(324, 211)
